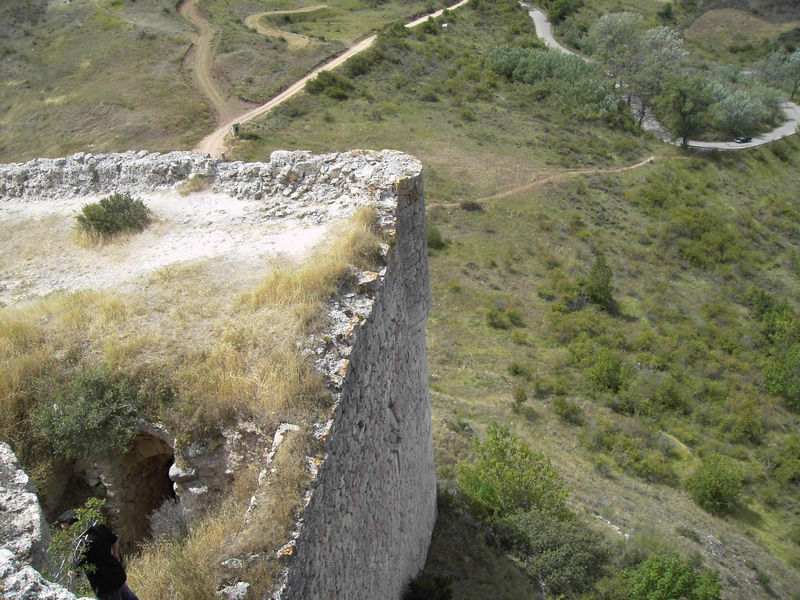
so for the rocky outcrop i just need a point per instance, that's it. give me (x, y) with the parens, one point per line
(24, 536)
(23, 529)
(20, 581)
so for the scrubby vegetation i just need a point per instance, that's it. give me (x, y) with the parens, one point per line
(73, 390)
(113, 215)
(637, 348)
(631, 336)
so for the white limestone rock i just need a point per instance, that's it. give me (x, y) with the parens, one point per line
(23, 529)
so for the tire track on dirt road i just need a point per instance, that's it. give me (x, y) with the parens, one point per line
(224, 109)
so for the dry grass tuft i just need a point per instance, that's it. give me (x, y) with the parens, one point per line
(190, 568)
(198, 183)
(304, 288)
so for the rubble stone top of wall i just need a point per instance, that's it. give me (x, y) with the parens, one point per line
(241, 213)
(291, 183)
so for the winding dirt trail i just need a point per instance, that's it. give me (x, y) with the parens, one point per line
(224, 108)
(214, 143)
(294, 41)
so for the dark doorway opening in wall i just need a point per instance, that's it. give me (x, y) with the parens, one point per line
(140, 484)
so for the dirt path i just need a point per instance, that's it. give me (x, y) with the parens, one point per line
(790, 110)
(214, 143)
(225, 109)
(293, 40)
(554, 177)
(564, 174)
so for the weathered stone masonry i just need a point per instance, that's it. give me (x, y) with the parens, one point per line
(371, 509)
(367, 527)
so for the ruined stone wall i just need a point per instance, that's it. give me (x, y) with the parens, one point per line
(370, 512)
(367, 527)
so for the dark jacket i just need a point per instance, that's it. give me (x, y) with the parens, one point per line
(104, 571)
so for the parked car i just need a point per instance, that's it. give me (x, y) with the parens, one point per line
(742, 139)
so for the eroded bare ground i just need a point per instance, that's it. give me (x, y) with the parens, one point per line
(39, 253)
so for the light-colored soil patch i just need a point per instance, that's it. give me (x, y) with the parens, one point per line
(39, 255)
(294, 41)
(726, 27)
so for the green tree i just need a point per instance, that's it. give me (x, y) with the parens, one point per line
(661, 51)
(667, 577)
(781, 69)
(598, 285)
(782, 368)
(686, 100)
(716, 484)
(615, 40)
(508, 477)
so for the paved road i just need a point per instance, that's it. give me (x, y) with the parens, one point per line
(214, 143)
(790, 110)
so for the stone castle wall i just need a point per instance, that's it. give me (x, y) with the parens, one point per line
(366, 527)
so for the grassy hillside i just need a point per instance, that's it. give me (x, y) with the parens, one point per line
(95, 76)
(629, 396)
(629, 310)
(110, 75)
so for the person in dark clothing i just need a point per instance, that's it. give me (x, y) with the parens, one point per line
(102, 565)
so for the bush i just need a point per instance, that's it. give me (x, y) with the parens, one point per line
(566, 556)
(471, 206)
(580, 86)
(429, 587)
(716, 484)
(435, 239)
(516, 369)
(331, 84)
(85, 413)
(114, 214)
(634, 448)
(666, 577)
(597, 286)
(508, 477)
(608, 372)
(65, 551)
(497, 319)
(520, 398)
(168, 521)
(569, 411)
